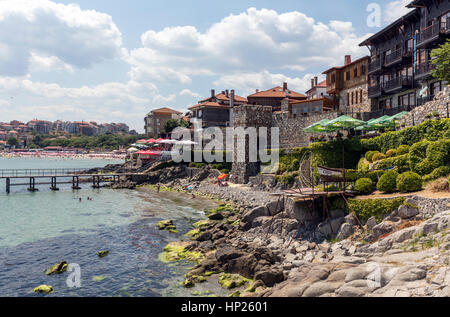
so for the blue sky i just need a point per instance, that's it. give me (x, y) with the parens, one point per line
(114, 60)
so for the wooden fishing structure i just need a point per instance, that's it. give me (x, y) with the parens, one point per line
(55, 177)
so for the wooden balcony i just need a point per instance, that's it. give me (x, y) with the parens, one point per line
(423, 70)
(394, 58)
(429, 35)
(375, 91)
(398, 83)
(375, 66)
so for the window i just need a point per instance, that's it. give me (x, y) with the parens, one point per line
(347, 76)
(360, 96)
(352, 98)
(363, 69)
(355, 72)
(333, 78)
(435, 88)
(407, 100)
(386, 104)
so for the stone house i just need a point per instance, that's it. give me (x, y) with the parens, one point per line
(349, 85)
(156, 119)
(273, 97)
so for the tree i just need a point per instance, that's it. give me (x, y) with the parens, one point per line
(441, 58)
(12, 141)
(171, 124)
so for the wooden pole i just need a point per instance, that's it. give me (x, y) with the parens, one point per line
(8, 184)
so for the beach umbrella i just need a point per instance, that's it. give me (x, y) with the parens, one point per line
(367, 127)
(141, 141)
(345, 123)
(132, 149)
(320, 127)
(222, 176)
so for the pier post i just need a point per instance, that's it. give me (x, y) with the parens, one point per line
(75, 183)
(32, 187)
(53, 186)
(8, 185)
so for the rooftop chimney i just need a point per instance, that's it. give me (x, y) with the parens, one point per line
(232, 99)
(213, 93)
(348, 59)
(257, 90)
(312, 82)
(227, 94)
(316, 81)
(285, 86)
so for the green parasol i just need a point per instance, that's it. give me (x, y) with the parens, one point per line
(345, 123)
(320, 127)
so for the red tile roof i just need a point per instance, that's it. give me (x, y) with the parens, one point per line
(277, 92)
(166, 110)
(223, 97)
(209, 104)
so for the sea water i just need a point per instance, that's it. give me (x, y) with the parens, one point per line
(40, 229)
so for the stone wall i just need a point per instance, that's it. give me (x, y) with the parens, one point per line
(291, 129)
(357, 106)
(419, 114)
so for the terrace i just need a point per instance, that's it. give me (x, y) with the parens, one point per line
(398, 83)
(375, 66)
(375, 91)
(423, 70)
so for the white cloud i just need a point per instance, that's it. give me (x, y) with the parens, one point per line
(189, 93)
(107, 102)
(248, 42)
(41, 34)
(395, 9)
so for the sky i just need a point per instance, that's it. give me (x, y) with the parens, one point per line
(115, 60)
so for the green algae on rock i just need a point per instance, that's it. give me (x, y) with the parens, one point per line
(176, 251)
(43, 289)
(229, 281)
(103, 253)
(167, 225)
(193, 233)
(201, 223)
(57, 268)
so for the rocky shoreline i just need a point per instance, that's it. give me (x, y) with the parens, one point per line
(254, 247)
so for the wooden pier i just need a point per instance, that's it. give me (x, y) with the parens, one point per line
(54, 180)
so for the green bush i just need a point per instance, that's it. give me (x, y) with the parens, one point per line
(366, 208)
(363, 186)
(370, 154)
(378, 157)
(425, 156)
(353, 175)
(409, 182)
(431, 130)
(388, 182)
(403, 149)
(441, 171)
(401, 162)
(391, 153)
(362, 165)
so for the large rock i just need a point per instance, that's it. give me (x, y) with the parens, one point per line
(226, 254)
(407, 212)
(345, 231)
(244, 265)
(383, 228)
(257, 212)
(275, 207)
(371, 223)
(270, 277)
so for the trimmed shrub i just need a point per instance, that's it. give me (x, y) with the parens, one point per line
(417, 158)
(378, 157)
(388, 182)
(403, 149)
(366, 208)
(401, 162)
(437, 173)
(409, 182)
(391, 153)
(370, 154)
(363, 186)
(353, 175)
(362, 165)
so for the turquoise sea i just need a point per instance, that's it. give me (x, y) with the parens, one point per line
(40, 229)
